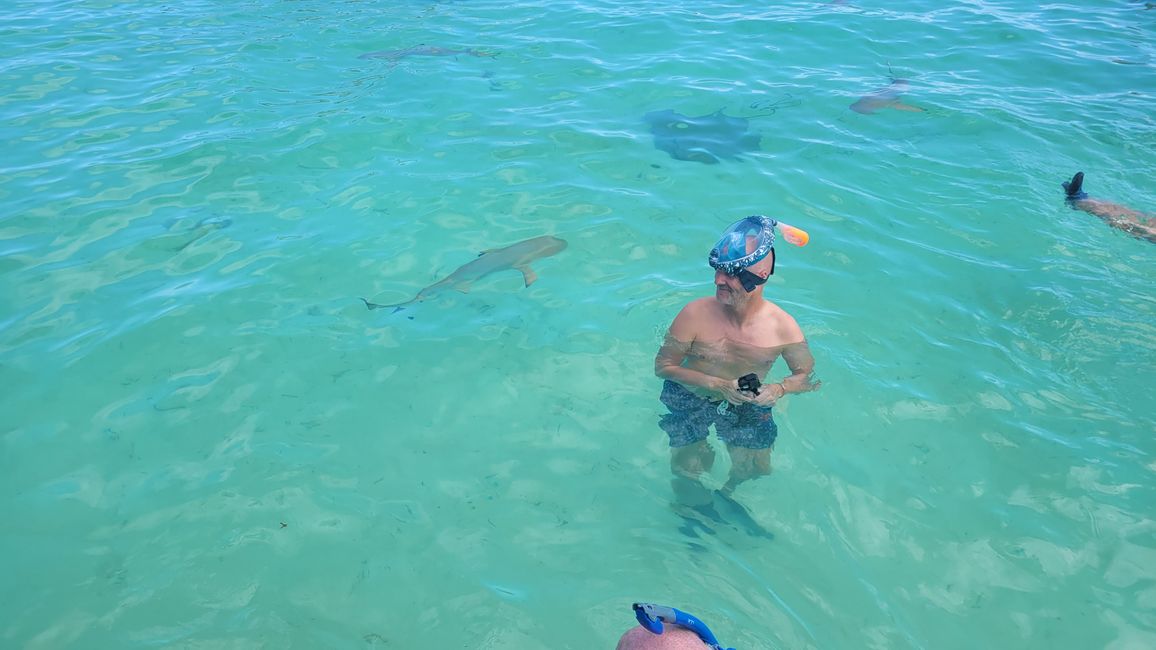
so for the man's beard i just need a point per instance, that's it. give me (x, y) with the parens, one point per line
(729, 296)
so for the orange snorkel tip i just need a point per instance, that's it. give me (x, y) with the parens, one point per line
(796, 236)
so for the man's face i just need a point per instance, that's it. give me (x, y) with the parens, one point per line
(729, 289)
(734, 289)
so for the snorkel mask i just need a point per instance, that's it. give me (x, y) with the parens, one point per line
(652, 617)
(746, 242)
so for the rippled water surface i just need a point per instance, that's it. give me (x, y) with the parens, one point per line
(207, 441)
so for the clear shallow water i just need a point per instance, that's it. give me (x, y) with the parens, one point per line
(194, 197)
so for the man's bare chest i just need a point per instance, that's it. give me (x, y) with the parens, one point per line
(731, 351)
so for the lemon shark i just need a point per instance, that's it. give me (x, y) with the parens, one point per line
(513, 257)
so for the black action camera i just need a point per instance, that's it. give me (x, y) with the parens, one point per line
(750, 383)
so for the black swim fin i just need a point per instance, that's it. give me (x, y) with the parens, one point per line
(1075, 187)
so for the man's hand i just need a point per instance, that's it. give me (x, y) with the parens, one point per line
(768, 395)
(731, 393)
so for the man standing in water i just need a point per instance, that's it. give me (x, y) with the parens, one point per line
(718, 339)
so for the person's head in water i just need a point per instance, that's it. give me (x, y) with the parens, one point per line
(661, 627)
(672, 638)
(743, 259)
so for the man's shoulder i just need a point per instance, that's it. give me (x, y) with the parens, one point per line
(773, 310)
(783, 322)
(698, 307)
(698, 312)
(693, 319)
(702, 304)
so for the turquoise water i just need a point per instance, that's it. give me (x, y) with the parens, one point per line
(207, 441)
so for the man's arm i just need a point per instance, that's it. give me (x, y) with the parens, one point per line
(676, 345)
(802, 365)
(1117, 216)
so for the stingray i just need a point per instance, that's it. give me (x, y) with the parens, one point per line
(708, 139)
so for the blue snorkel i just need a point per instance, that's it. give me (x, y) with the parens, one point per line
(652, 617)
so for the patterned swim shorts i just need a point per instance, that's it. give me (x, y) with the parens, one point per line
(690, 417)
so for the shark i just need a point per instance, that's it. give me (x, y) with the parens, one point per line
(179, 239)
(721, 512)
(516, 256)
(886, 97)
(708, 510)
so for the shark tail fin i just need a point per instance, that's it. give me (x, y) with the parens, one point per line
(1075, 187)
(373, 305)
(397, 306)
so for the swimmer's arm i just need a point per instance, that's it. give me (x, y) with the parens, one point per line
(802, 364)
(674, 350)
(668, 365)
